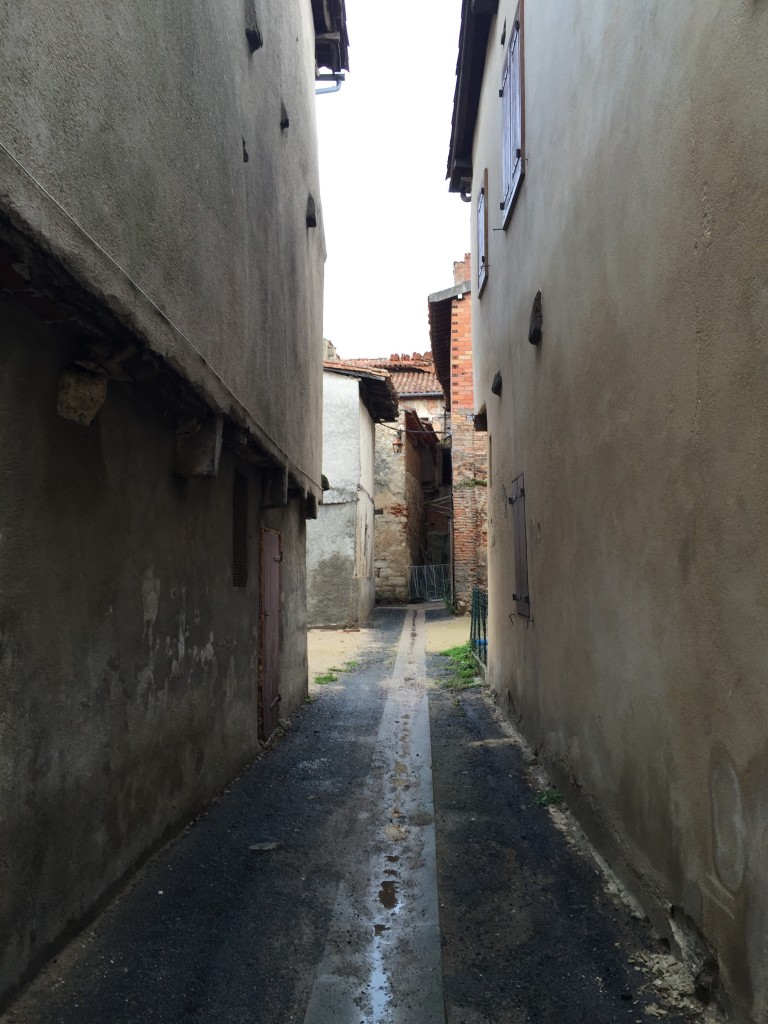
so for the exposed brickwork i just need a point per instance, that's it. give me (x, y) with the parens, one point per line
(410, 528)
(469, 456)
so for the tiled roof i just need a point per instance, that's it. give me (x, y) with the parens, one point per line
(416, 382)
(410, 376)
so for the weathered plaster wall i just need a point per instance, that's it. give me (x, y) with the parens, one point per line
(400, 531)
(292, 526)
(392, 558)
(169, 169)
(640, 423)
(342, 450)
(128, 661)
(365, 518)
(340, 540)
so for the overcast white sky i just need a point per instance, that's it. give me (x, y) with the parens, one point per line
(392, 229)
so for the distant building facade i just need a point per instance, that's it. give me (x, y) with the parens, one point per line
(340, 542)
(450, 330)
(412, 489)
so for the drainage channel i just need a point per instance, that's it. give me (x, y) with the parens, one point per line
(381, 963)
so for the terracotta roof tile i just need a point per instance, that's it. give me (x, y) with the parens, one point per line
(416, 382)
(409, 376)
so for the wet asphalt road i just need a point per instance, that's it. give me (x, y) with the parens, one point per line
(325, 886)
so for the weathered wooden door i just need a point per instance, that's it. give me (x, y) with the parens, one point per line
(269, 632)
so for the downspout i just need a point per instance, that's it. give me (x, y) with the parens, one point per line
(336, 79)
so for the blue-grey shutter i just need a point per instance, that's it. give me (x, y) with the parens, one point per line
(512, 121)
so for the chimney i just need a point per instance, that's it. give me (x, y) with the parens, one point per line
(462, 269)
(330, 354)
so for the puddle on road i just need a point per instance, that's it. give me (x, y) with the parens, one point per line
(379, 929)
(388, 895)
(379, 988)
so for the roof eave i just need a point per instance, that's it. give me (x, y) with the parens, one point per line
(377, 391)
(331, 38)
(476, 18)
(440, 339)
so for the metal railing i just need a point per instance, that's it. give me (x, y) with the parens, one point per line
(430, 583)
(478, 631)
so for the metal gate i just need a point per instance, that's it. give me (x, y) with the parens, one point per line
(478, 631)
(430, 583)
(269, 632)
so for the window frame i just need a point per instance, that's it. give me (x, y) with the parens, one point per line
(512, 94)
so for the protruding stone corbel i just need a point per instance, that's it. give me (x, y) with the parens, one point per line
(81, 395)
(310, 507)
(275, 488)
(198, 446)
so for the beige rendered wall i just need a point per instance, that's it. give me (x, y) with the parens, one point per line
(168, 168)
(641, 425)
(333, 586)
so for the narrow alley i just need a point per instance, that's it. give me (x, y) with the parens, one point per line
(390, 859)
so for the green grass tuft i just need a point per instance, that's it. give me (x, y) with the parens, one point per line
(327, 677)
(333, 673)
(550, 797)
(463, 667)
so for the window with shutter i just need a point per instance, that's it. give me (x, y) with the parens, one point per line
(511, 93)
(517, 501)
(482, 235)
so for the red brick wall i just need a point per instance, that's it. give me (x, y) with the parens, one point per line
(469, 455)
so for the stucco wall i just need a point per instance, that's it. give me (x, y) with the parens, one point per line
(124, 133)
(365, 517)
(332, 598)
(128, 660)
(640, 423)
(294, 671)
(342, 448)
(340, 541)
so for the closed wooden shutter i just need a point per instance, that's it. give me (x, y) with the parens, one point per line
(512, 120)
(517, 501)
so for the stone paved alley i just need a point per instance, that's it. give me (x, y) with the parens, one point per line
(385, 861)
